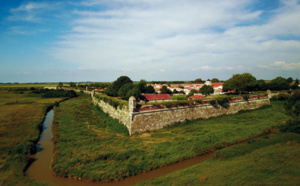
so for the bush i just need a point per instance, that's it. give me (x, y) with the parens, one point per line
(115, 102)
(59, 94)
(246, 97)
(212, 102)
(170, 104)
(222, 101)
(282, 96)
(292, 125)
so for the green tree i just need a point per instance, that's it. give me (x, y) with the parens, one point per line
(279, 83)
(149, 89)
(206, 90)
(113, 89)
(262, 85)
(295, 86)
(289, 80)
(240, 82)
(122, 92)
(60, 84)
(198, 80)
(192, 92)
(142, 85)
(133, 92)
(165, 90)
(215, 80)
(72, 84)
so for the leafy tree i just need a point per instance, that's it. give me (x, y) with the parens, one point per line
(240, 82)
(289, 80)
(133, 92)
(72, 84)
(295, 85)
(262, 85)
(198, 80)
(149, 89)
(60, 84)
(113, 89)
(279, 83)
(175, 91)
(206, 90)
(165, 90)
(215, 80)
(192, 92)
(142, 85)
(122, 92)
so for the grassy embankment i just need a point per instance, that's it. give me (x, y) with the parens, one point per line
(269, 160)
(21, 115)
(92, 146)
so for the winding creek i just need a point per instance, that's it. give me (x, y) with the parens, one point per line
(40, 169)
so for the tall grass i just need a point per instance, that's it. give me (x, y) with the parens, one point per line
(21, 116)
(89, 145)
(268, 160)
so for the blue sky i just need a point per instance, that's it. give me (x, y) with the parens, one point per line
(100, 40)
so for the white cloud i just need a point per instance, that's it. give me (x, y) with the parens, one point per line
(206, 67)
(282, 65)
(162, 70)
(32, 11)
(182, 35)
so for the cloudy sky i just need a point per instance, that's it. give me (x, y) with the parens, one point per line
(100, 40)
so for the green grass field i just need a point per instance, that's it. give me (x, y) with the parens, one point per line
(21, 115)
(269, 160)
(91, 145)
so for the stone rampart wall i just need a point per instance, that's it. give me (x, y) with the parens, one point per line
(123, 115)
(156, 119)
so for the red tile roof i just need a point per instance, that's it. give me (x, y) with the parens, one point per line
(197, 97)
(151, 97)
(216, 84)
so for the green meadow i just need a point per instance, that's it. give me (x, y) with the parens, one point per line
(92, 146)
(21, 116)
(269, 160)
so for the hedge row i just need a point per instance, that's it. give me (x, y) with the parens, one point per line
(113, 101)
(222, 101)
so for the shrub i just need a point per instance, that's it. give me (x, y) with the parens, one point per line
(282, 97)
(59, 94)
(246, 97)
(212, 102)
(292, 125)
(115, 102)
(222, 101)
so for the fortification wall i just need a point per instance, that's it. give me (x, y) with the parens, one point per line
(156, 119)
(151, 120)
(123, 115)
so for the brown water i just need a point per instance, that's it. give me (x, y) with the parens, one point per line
(40, 169)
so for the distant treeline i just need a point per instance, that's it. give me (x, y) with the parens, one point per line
(56, 93)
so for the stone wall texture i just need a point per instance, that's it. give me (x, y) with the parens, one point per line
(123, 115)
(156, 119)
(151, 120)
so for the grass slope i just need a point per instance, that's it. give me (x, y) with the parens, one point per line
(270, 160)
(92, 146)
(20, 118)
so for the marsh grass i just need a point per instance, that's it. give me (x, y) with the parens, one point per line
(21, 116)
(89, 145)
(272, 160)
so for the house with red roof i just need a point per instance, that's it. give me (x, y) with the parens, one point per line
(156, 97)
